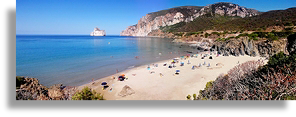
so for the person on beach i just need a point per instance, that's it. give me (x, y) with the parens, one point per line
(160, 74)
(116, 70)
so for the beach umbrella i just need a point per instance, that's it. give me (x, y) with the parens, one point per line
(122, 75)
(177, 70)
(104, 83)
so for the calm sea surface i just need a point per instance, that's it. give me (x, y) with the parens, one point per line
(75, 60)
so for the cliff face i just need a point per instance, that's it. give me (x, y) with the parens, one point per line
(226, 9)
(154, 21)
(244, 46)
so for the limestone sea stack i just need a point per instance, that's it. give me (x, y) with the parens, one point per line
(98, 32)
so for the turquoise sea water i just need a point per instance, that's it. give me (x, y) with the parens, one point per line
(75, 60)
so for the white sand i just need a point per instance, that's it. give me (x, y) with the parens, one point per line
(168, 87)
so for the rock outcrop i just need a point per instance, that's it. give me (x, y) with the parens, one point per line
(31, 89)
(226, 9)
(245, 46)
(98, 32)
(155, 20)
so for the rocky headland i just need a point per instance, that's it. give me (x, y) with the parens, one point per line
(157, 20)
(30, 89)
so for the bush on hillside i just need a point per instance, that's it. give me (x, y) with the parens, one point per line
(87, 94)
(273, 81)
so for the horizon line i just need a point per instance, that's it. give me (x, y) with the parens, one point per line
(64, 34)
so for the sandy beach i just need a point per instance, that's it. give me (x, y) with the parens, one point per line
(150, 85)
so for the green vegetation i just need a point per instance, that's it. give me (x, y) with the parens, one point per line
(87, 94)
(222, 39)
(274, 81)
(279, 61)
(232, 25)
(19, 81)
(193, 33)
(194, 97)
(209, 85)
(178, 33)
(205, 23)
(272, 36)
(172, 28)
(188, 97)
(206, 35)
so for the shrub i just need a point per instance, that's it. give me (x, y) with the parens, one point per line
(289, 24)
(216, 33)
(277, 59)
(253, 36)
(188, 97)
(271, 36)
(231, 37)
(194, 96)
(19, 81)
(206, 35)
(274, 81)
(209, 85)
(87, 94)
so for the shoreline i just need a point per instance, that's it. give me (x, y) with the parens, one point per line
(152, 86)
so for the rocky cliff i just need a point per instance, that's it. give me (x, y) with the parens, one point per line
(155, 20)
(98, 32)
(245, 46)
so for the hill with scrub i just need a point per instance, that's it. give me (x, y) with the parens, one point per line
(254, 81)
(277, 20)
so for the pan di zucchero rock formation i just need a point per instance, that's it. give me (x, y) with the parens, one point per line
(98, 32)
(155, 20)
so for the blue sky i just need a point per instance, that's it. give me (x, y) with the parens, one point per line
(81, 16)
